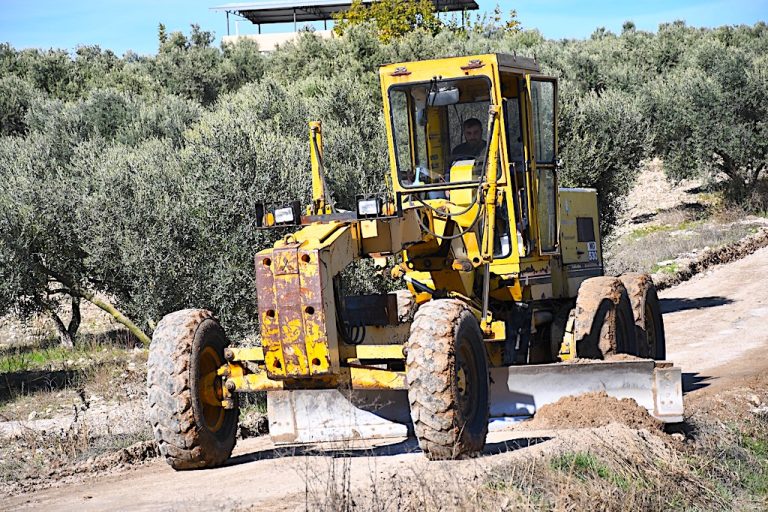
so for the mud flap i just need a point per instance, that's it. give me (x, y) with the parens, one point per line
(321, 415)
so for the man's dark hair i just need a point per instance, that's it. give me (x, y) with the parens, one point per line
(472, 121)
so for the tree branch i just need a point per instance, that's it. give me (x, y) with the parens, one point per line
(105, 305)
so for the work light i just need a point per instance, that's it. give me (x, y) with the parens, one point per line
(369, 206)
(288, 215)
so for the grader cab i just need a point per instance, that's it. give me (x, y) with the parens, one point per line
(503, 277)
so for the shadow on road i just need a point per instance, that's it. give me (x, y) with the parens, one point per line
(694, 381)
(512, 445)
(410, 445)
(673, 305)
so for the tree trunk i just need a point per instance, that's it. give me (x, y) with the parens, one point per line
(68, 334)
(117, 315)
(74, 321)
(66, 339)
(737, 183)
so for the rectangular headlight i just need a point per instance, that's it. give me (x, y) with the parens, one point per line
(369, 207)
(284, 216)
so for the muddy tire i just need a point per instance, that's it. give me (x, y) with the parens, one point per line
(406, 306)
(190, 429)
(448, 383)
(604, 324)
(649, 325)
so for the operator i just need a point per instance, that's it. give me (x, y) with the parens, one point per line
(474, 143)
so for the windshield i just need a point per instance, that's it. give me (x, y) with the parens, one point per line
(440, 130)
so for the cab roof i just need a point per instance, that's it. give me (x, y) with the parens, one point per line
(505, 61)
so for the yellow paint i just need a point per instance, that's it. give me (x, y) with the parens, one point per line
(368, 228)
(248, 354)
(462, 171)
(379, 351)
(319, 192)
(356, 377)
(373, 378)
(304, 348)
(568, 347)
(490, 178)
(498, 331)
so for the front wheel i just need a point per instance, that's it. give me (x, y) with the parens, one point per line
(448, 383)
(191, 427)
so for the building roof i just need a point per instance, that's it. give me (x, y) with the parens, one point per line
(284, 11)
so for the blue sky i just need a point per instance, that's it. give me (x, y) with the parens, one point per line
(120, 25)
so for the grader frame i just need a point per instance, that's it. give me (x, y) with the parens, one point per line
(503, 271)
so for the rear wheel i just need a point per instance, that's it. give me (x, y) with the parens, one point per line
(649, 325)
(191, 427)
(604, 324)
(448, 385)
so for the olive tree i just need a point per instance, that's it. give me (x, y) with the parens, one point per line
(710, 118)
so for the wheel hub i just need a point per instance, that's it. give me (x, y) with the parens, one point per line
(210, 390)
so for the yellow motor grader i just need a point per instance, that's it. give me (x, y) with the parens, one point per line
(506, 307)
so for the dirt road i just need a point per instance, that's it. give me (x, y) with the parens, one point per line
(715, 323)
(715, 332)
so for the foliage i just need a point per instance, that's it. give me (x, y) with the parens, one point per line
(710, 116)
(15, 96)
(602, 138)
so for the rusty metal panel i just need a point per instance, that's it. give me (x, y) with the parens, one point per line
(286, 260)
(297, 313)
(268, 311)
(296, 302)
(315, 285)
(288, 292)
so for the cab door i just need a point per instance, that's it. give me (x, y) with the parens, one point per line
(542, 95)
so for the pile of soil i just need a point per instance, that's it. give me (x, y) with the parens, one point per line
(595, 409)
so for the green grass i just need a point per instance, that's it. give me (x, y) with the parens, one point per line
(639, 233)
(754, 476)
(644, 231)
(21, 359)
(253, 402)
(669, 268)
(586, 466)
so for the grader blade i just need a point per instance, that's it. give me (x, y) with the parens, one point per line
(324, 415)
(518, 391)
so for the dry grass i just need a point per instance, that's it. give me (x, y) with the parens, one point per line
(29, 453)
(715, 472)
(62, 409)
(719, 463)
(660, 247)
(665, 224)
